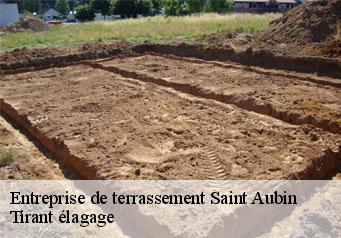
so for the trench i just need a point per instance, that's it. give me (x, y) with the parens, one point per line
(321, 168)
(248, 57)
(248, 104)
(305, 77)
(146, 226)
(72, 167)
(36, 159)
(57, 148)
(324, 167)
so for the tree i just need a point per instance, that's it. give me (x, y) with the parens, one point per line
(85, 12)
(48, 4)
(125, 8)
(220, 6)
(71, 4)
(31, 5)
(229, 5)
(145, 7)
(172, 7)
(131, 8)
(157, 6)
(61, 6)
(195, 6)
(102, 6)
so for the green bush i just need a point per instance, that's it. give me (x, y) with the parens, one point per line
(7, 155)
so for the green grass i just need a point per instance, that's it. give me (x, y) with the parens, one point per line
(7, 155)
(152, 28)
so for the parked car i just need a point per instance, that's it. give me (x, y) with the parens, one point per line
(55, 22)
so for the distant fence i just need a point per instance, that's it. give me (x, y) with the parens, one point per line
(260, 9)
(100, 17)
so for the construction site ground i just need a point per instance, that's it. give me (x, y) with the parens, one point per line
(153, 116)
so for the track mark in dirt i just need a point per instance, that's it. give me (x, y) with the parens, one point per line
(248, 103)
(215, 170)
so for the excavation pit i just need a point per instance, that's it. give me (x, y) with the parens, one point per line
(152, 117)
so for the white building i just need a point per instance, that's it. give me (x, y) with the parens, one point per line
(9, 13)
(260, 6)
(50, 14)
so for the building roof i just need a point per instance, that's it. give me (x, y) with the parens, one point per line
(51, 10)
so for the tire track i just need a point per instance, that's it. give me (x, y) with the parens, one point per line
(215, 170)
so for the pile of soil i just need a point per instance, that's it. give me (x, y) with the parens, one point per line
(305, 29)
(330, 49)
(98, 46)
(23, 54)
(27, 23)
(227, 39)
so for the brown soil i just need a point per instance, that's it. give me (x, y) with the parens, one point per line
(227, 39)
(313, 103)
(330, 49)
(153, 117)
(25, 54)
(243, 41)
(22, 54)
(27, 23)
(29, 163)
(309, 26)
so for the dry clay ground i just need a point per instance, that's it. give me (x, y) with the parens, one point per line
(161, 117)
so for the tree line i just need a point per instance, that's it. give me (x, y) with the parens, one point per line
(86, 9)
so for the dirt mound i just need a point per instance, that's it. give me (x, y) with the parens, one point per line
(312, 23)
(330, 49)
(98, 46)
(23, 54)
(27, 23)
(227, 39)
(27, 54)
